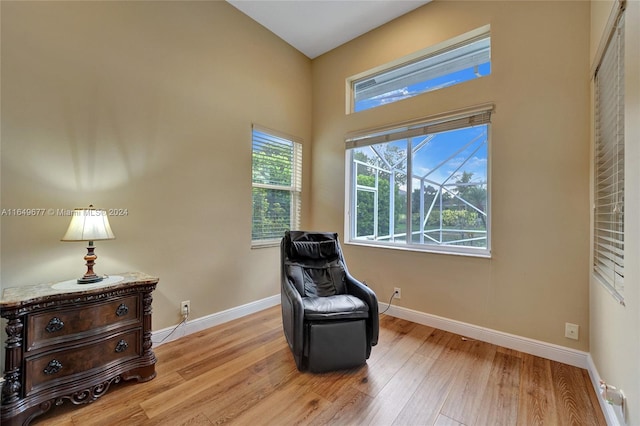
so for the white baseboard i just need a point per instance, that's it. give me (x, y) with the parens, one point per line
(511, 341)
(168, 334)
(612, 414)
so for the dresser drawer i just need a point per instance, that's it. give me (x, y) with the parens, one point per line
(66, 325)
(51, 368)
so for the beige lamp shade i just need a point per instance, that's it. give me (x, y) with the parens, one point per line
(89, 224)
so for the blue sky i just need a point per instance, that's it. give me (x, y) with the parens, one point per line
(472, 158)
(446, 153)
(425, 86)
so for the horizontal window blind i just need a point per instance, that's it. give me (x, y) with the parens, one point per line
(277, 184)
(608, 249)
(272, 160)
(425, 126)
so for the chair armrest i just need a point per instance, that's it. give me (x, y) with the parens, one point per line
(364, 293)
(292, 316)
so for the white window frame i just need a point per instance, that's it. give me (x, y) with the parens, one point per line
(608, 160)
(295, 189)
(407, 61)
(425, 125)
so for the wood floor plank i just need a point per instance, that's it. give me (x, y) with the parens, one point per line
(59, 416)
(436, 343)
(123, 397)
(287, 406)
(574, 405)
(389, 402)
(427, 401)
(331, 385)
(243, 372)
(537, 403)
(219, 400)
(347, 405)
(131, 414)
(227, 354)
(499, 402)
(190, 389)
(232, 401)
(443, 420)
(463, 401)
(207, 343)
(197, 420)
(391, 331)
(511, 352)
(382, 368)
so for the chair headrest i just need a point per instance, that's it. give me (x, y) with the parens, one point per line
(314, 249)
(310, 236)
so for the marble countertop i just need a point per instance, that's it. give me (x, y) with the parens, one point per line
(14, 296)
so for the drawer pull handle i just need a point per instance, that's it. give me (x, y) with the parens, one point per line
(122, 310)
(55, 324)
(121, 346)
(53, 367)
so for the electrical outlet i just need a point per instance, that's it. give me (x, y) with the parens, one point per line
(185, 308)
(571, 331)
(397, 293)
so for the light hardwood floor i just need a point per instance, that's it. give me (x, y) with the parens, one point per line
(243, 373)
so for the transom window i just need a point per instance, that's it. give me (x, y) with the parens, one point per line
(422, 186)
(455, 61)
(276, 186)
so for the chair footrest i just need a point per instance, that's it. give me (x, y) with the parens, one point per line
(336, 345)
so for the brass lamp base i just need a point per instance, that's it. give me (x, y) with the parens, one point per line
(88, 279)
(90, 276)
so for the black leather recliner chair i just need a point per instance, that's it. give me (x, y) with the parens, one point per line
(330, 319)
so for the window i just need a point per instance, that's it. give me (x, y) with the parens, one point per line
(464, 58)
(423, 185)
(608, 244)
(277, 184)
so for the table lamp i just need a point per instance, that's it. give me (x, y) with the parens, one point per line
(89, 224)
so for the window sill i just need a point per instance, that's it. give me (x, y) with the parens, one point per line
(265, 243)
(467, 252)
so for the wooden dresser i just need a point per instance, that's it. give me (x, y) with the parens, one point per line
(71, 342)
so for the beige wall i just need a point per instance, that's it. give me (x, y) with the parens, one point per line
(537, 278)
(615, 329)
(146, 106)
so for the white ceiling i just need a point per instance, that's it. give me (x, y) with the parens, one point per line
(317, 26)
